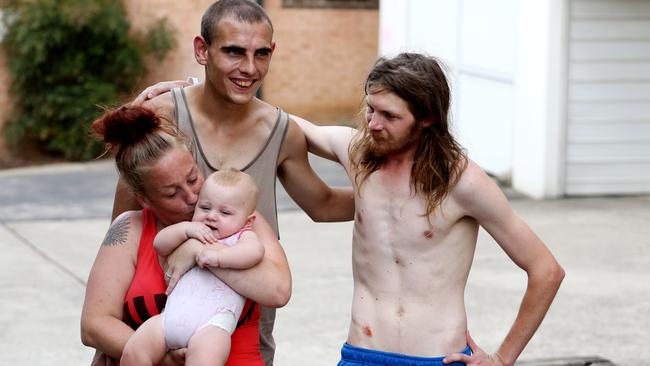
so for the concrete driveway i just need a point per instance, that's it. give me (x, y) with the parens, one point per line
(53, 218)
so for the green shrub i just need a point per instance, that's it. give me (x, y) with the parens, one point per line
(67, 58)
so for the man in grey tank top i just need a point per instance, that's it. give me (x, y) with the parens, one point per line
(233, 128)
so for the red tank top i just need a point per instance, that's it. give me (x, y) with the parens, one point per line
(146, 298)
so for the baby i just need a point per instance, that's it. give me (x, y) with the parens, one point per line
(202, 312)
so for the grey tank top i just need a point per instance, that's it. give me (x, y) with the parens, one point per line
(263, 168)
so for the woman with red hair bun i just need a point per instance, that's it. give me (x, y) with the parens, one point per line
(127, 284)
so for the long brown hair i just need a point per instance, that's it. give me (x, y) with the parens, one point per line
(439, 160)
(138, 137)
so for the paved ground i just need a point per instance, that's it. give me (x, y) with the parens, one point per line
(53, 218)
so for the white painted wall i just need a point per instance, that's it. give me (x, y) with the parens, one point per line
(476, 40)
(508, 62)
(427, 26)
(555, 92)
(485, 71)
(540, 98)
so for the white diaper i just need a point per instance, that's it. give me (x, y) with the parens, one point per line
(225, 320)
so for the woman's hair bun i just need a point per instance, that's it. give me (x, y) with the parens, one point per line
(126, 125)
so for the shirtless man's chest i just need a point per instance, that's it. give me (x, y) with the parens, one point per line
(392, 228)
(409, 269)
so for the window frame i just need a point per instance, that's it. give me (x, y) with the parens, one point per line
(331, 4)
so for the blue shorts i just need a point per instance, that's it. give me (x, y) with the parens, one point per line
(353, 356)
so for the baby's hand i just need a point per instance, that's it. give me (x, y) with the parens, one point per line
(200, 232)
(208, 257)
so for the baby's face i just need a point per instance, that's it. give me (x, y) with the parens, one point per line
(222, 208)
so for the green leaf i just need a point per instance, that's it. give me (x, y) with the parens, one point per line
(65, 58)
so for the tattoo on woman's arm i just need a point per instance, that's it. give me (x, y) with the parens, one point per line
(117, 233)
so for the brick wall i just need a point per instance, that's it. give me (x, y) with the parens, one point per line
(321, 59)
(185, 17)
(5, 103)
(320, 62)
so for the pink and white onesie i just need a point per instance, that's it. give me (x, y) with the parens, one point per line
(198, 300)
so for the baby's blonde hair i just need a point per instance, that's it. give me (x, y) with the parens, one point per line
(231, 177)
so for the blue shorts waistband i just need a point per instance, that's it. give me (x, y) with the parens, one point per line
(351, 356)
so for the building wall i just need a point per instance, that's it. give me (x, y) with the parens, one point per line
(318, 68)
(5, 103)
(185, 18)
(555, 92)
(504, 68)
(321, 59)
(475, 40)
(608, 111)
(540, 98)
(320, 62)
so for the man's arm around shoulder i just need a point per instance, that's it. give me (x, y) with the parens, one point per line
(329, 142)
(320, 201)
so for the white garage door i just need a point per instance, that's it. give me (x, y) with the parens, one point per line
(608, 127)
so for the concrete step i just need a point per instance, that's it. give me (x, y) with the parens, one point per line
(567, 361)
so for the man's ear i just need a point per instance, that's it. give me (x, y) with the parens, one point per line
(427, 122)
(201, 50)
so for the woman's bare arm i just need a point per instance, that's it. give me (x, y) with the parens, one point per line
(101, 318)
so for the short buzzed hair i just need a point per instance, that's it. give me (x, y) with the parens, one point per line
(242, 10)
